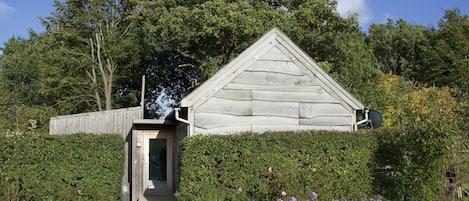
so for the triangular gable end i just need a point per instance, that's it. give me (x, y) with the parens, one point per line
(279, 47)
(303, 60)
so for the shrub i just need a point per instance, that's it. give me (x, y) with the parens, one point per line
(398, 164)
(74, 167)
(332, 164)
(21, 118)
(410, 165)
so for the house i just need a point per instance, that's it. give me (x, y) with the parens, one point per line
(271, 86)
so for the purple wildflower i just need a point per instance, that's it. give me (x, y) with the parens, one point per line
(279, 199)
(450, 187)
(292, 198)
(313, 195)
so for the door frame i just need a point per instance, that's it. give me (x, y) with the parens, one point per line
(140, 150)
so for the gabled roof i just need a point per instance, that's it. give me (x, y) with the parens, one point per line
(287, 50)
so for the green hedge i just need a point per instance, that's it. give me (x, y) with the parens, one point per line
(411, 164)
(74, 167)
(334, 165)
(385, 164)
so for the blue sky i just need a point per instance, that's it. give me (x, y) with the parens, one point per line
(18, 16)
(421, 12)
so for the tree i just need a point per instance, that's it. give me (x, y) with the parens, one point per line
(21, 104)
(434, 57)
(210, 34)
(339, 46)
(20, 71)
(399, 48)
(191, 40)
(449, 65)
(353, 66)
(199, 37)
(448, 62)
(98, 38)
(96, 51)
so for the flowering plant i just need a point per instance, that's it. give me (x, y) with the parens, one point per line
(314, 196)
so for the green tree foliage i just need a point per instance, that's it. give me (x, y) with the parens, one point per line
(20, 100)
(429, 118)
(432, 57)
(353, 67)
(399, 48)
(409, 106)
(20, 71)
(192, 40)
(94, 42)
(337, 44)
(210, 34)
(448, 62)
(93, 53)
(205, 35)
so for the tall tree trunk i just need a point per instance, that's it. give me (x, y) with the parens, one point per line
(106, 69)
(108, 86)
(93, 77)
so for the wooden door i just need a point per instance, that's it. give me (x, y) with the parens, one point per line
(152, 168)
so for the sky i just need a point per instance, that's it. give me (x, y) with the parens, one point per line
(18, 16)
(418, 12)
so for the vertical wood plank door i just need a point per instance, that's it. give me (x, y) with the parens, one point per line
(153, 173)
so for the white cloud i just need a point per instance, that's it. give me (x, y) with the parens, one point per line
(360, 7)
(5, 11)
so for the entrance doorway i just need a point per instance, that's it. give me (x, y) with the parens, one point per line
(152, 174)
(157, 168)
(157, 164)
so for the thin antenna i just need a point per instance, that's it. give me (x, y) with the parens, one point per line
(142, 98)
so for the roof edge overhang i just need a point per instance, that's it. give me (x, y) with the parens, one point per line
(165, 121)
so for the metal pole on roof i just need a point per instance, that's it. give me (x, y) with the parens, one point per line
(142, 99)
